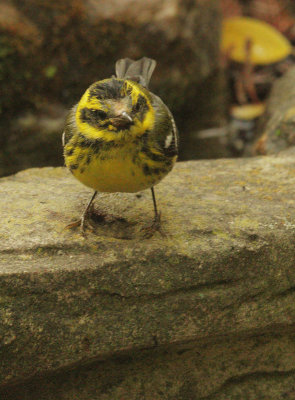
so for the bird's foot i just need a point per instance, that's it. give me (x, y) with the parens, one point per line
(155, 226)
(84, 221)
(80, 223)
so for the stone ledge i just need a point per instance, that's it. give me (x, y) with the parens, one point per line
(224, 270)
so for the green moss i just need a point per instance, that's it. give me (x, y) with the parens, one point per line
(221, 234)
(243, 222)
(50, 71)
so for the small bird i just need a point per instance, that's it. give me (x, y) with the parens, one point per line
(120, 137)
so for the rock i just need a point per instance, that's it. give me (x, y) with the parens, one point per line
(278, 124)
(206, 312)
(68, 45)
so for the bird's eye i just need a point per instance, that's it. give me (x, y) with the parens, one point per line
(99, 114)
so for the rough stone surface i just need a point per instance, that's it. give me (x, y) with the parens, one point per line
(278, 123)
(206, 312)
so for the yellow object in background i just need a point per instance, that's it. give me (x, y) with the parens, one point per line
(267, 44)
(247, 112)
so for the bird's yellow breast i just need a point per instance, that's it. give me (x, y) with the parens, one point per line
(118, 170)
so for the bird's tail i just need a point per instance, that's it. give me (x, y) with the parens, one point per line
(139, 71)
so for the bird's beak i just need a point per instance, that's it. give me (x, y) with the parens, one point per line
(122, 120)
(127, 116)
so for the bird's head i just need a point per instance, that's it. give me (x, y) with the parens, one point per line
(115, 109)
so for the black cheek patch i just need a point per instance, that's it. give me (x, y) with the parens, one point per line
(140, 108)
(98, 114)
(85, 115)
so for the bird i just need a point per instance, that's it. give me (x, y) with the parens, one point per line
(121, 137)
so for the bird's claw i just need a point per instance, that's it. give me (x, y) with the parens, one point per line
(155, 226)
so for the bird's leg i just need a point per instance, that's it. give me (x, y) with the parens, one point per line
(157, 214)
(82, 220)
(156, 224)
(84, 215)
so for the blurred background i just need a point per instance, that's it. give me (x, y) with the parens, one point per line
(224, 68)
